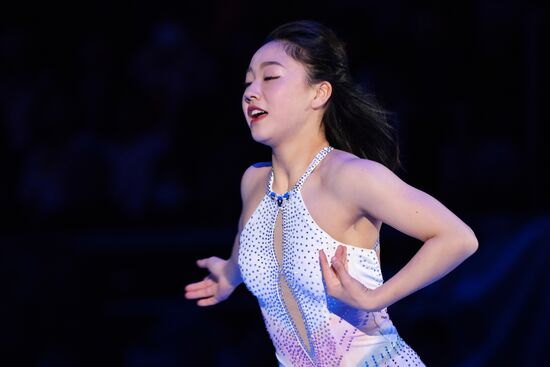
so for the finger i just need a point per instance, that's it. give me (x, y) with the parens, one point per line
(339, 251)
(342, 255)
(327, 272)
(203, 263)
(201, 293)
(206, 282)
(207, 301)
(332, 282)
(341, 271)
(207, 289)
(345, 257)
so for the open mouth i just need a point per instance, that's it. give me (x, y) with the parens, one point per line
(256, 113)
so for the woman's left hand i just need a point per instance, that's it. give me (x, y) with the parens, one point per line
(342, 286)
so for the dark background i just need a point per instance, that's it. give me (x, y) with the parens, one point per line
(123, 142)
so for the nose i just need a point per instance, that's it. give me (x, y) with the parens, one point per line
(248, 97)
(251, 93)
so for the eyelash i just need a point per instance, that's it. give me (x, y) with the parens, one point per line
(267, 78)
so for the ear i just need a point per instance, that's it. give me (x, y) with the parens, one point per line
(323, 91)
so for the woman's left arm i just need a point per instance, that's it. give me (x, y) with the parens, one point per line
(379, 193)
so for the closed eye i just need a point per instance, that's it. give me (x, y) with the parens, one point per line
(267, 78)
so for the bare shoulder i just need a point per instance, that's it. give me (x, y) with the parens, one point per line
(252, 189)
(344, 171)
(254, 178)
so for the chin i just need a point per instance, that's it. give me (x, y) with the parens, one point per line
(262, 138)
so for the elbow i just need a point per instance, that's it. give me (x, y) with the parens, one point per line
(469, 241)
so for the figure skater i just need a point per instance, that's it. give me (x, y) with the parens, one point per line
(308, 237)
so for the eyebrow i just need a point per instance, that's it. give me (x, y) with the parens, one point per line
(264, 64)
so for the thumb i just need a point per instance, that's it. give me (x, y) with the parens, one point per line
(203, 263)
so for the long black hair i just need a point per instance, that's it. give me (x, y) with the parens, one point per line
(353, 120)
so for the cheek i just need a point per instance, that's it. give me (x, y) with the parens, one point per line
(284, 96)
(244, 106)
(295, 100)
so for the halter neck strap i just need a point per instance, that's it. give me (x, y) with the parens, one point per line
(316, 160)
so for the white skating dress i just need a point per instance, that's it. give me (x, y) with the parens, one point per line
(279, 264)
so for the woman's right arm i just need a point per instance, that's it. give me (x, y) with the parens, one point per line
(224, 275)
(222, 280)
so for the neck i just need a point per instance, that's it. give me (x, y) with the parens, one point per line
(290, 160)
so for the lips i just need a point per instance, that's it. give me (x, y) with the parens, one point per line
(256, 113)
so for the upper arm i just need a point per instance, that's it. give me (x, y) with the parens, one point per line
(377, 191)
(250, 184)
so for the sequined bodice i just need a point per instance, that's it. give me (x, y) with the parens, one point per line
(308, 327)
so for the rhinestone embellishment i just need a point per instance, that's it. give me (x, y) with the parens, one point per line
(279, 198)
(319, 330)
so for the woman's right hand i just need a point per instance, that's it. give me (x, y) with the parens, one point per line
(215, 287)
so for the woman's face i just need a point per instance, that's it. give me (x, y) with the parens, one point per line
(277, 98)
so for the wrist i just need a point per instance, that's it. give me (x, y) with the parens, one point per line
(374, 299)
(232, 273)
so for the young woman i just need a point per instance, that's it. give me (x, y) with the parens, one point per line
(308, 239)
